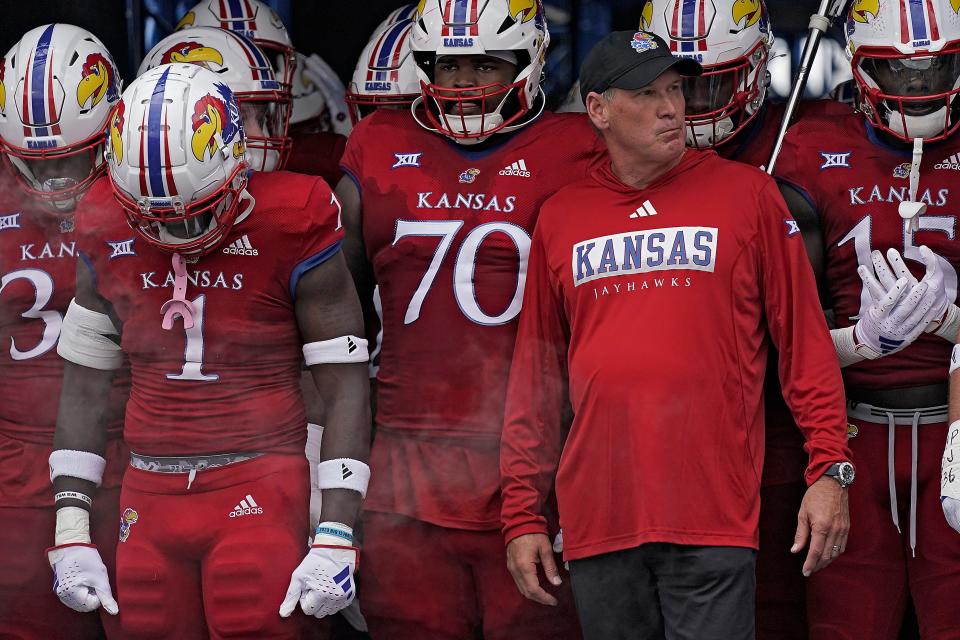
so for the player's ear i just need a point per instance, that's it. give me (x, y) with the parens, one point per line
(596, 104)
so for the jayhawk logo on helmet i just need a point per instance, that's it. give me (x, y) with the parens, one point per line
(99, 80)
(646, 16)
(955, 4)
(192, 53)
(3, 89)
(747, 10)
(116, 126)
(213, 116)
(127, 520)
(186, 21)
(527, 9)
(861, 8)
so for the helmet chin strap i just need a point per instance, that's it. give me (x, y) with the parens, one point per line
(925, 126)
(911, 210)
(701, 136)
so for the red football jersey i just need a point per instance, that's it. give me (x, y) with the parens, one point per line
(318, 154)
(38, 253)
(231, 383)
(447, 231)
(754, 144)
(855, 183)
(653, 312)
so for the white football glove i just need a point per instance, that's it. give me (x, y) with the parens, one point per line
(900, 311)
(950, 477)
(323, 583)
(80, 578)
(934, 277)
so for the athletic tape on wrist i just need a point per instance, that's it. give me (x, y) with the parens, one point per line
(340, 350)
(84, 339)
(951, 461)
(333, 533)
(845, 344)
(343, 473)
(73, 526)
(77, 464)
(951, 324)
(72, 495)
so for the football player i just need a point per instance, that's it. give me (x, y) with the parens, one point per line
(386, 74)
(242, 66)
(222, 279)
(880, 184)
(57, 87)
(440, 216)
(314, 153)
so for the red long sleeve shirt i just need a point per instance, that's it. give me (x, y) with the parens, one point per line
(650, 310)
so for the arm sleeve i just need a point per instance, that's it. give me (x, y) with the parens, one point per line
(536, 396)
(808, 368)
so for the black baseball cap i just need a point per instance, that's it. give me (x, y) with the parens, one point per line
(630, 60)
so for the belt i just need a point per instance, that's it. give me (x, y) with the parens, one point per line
(892, 418)
(188, 464)
(928, 395)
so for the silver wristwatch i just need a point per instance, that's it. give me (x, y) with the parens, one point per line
(843, 472)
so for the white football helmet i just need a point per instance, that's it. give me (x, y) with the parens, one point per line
(57, 87)
(309, 106)
(245, 69)
(732, 40)
(906, 63)
(175, 150)
(253, 19)
(386, 74)
(475, 27)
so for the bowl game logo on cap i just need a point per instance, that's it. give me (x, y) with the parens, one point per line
(643, 42)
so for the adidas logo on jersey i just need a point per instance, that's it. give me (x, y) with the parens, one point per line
(247, 507)
(953, 162)
(644, 210)
(518, 168)
(241, 247)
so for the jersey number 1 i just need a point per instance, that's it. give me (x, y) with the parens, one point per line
(193, 352)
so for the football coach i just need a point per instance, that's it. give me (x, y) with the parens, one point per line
(655, 287)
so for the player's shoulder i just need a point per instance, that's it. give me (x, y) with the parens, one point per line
(820, 125)
(383, 121)
(552, 121)
(285, 189)
(98, 210)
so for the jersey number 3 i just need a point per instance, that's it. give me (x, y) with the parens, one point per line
(52, 320)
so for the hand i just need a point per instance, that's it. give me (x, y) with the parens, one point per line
(80, 578)
(524, 553)
(323, 583)
(951, 511)
(900, 311)
(824, 522)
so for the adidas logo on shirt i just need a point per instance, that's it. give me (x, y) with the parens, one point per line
(240, 247)
(518, 168)
(953, 162)
(247, 507)
(644, 210)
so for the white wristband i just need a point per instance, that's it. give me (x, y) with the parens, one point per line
(77, 464)
(334, 534)
(951, 324)
(336, 351)
(343, 473)
(73, 526)
(845, 344)
(955, 359)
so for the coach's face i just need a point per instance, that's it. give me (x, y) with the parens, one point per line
(645, 124)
